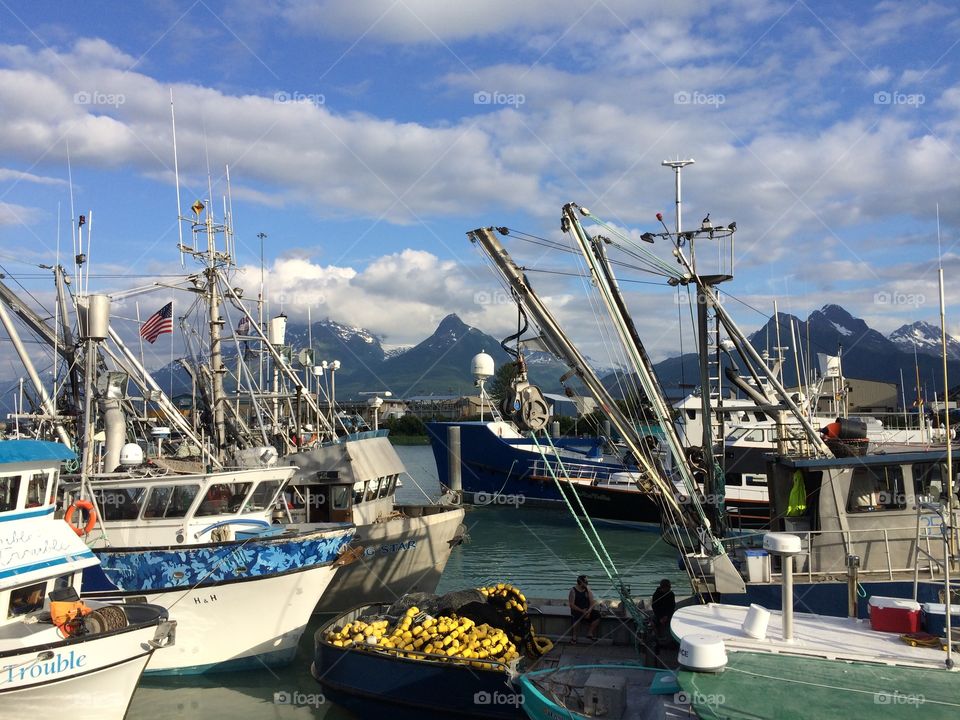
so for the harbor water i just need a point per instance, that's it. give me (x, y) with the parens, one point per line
(540, 551)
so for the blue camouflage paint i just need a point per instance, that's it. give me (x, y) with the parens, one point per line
(197, 566)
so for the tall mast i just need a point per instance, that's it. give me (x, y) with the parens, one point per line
(677, 166)
(216, 323)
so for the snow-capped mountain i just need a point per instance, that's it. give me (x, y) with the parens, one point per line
(925, 337)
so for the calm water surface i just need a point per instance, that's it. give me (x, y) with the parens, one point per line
(539, 551)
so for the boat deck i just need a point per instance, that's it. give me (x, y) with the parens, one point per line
(830, 638)
(569, 669)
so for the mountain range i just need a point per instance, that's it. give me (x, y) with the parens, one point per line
(440, 364)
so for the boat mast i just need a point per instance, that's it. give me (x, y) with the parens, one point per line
(217, 368)
(605, 282)
(69, 350)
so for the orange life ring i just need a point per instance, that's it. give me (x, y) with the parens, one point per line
(91, 521)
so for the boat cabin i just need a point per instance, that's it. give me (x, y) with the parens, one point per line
(352, 480)
(38, 553)
(880, 508)
(159, 510)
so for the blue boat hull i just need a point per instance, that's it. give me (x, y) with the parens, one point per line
(375, 685)
(493, 466)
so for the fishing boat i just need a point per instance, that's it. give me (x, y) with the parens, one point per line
(462, 659)
(397, 548)
(252, 465)
(411, 685)
(205, 546)
(58, 654)
(737, 663)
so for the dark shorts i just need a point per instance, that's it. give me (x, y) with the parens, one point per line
(592, 616)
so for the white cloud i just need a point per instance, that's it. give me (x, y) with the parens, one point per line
(9, 174)
(13, 214)
(435, 21)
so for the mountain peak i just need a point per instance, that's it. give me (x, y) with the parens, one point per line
(451, 324)
(925, 338)
(835, 313)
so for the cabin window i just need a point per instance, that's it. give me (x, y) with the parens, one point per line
(119, 503)
(37, 490)
(386, 485)
(755, 436)
(928, 479)
(756, 480)
(27, 599)
(9, 492)
(358, 492)
(341, 498)
(877, 488)
(181, 499)
(262, 495)
(157, 501)
(733, 479)
(737, 433)
(692, 414)
(373, 487)
(760, 416)
(223, 499)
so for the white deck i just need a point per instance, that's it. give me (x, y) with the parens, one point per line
(813, 635)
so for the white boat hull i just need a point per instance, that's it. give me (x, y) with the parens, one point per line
(247, 624)
(86, 680)
(399, 555)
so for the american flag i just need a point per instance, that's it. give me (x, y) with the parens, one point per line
(157, 324)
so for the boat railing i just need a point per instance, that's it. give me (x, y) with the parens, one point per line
(856, 542)
(567, 470)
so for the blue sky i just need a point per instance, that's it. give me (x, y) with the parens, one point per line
(366, 138)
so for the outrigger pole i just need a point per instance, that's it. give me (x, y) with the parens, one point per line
(726, 577)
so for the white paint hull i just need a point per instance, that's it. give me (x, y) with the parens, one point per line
(240, 625)
(400, 555)
(90, 680)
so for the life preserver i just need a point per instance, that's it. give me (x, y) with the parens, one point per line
(91, 519)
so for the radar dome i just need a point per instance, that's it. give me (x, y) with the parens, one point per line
(131, 454)
(481, 366)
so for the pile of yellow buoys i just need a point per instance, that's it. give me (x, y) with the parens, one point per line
(506, 595)
(418, 635)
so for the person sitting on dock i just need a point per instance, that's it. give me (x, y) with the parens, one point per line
(664, 603)
(583, 606)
